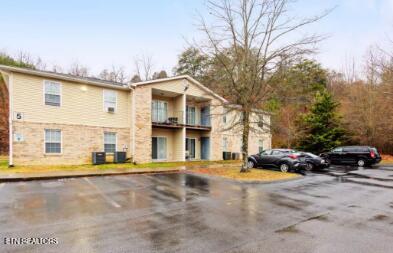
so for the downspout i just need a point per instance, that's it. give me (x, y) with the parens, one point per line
(10, 116)
(133, 122)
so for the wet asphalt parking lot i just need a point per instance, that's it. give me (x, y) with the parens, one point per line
(186, 213)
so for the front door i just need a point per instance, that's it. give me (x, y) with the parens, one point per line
(205, 148)
(190, 148)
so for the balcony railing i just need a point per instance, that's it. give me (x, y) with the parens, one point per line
(164, 118)
(193, 121)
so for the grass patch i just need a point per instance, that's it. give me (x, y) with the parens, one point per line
(88, 167)
(3, 162)
(253, 175)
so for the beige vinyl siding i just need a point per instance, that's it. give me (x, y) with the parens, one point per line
(179, 145)
(81, 104)
(178, 86)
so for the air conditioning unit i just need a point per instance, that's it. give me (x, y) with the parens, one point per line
(110, 109)
(226, 155)
(120, 157)
(98, 158)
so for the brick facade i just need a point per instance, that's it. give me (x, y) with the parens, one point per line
(77, 143)
(143, 127)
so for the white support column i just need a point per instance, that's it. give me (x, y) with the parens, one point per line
(184, 128)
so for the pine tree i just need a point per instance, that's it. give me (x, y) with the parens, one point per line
(321, 128)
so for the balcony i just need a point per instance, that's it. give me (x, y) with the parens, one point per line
(163, 119)
(198, 120)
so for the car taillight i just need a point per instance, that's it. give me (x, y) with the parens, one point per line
(293, 156)
(372, 154)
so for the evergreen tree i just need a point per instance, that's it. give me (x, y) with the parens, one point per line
(321, 128)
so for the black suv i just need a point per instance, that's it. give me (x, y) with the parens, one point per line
(356, 155)
(283, 159)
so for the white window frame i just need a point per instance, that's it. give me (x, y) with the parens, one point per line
(224, 116)
(103, 99)
(61, 141)
(260, 145)
(105, 132)
(224, 141)
(167, 109)
(44, 92)
(166, 149)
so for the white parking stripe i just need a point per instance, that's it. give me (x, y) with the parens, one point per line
(2, 185)
(108, 199)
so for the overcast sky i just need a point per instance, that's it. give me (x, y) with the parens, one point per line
(104, 33)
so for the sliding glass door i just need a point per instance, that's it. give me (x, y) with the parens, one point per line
(159, 151)
(159, 111)
(190, 115)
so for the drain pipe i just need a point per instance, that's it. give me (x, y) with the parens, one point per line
(133, 121)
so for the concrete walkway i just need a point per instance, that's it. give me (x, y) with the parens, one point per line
(15, 177)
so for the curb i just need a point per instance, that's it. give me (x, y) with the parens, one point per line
(243, 181)
(41, 178)
(369, 184)
(370, 177)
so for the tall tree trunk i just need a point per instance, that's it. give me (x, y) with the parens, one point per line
(245, 134)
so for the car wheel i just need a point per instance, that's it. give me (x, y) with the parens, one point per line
(284, 167)
(310, 167)
(250, 164)
(361, 163)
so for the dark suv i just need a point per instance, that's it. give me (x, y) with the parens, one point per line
(283, 159)
(356, 155)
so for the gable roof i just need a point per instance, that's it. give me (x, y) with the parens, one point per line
(186, 77)
(65, 77)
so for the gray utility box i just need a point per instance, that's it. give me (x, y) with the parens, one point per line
(98, 158)
(120, 157)
(226, 155)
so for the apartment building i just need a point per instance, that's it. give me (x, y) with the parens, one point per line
(60, 119)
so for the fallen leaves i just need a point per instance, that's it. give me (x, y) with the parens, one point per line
(253, 175)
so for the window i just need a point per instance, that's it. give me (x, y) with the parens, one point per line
(224, 116)
(110, 100)
(190, 120)
(159, 148)
(260, 146)
(159, 111)
(52, 93)
(266, 152)
(109, 142)
(260, 122)
(337, 150)
(52, 141)
(276, 152)
(224, 144)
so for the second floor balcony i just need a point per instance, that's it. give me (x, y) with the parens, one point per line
(163, 115)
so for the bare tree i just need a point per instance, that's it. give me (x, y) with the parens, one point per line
(77, 69)
(144, 67)
(116, 74)
(248, 40)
